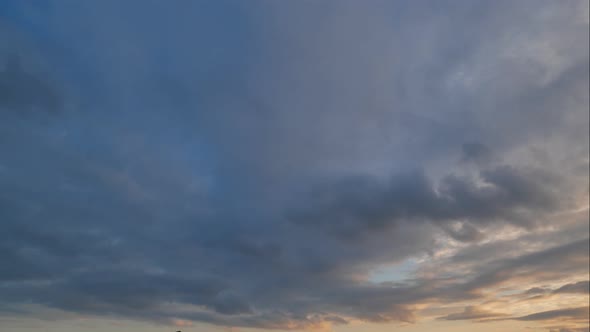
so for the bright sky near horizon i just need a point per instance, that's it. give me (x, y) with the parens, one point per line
(260, 165)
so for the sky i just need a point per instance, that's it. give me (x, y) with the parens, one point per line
(260, 165)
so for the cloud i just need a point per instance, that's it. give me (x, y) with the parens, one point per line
(573, 329)
(364, 204)
(549, 264)
(23, 91)
(578, 287)
(252, 165)
(568, 313)
(472, 313)
(476, 152)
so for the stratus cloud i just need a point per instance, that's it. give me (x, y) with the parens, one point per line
(251, 165)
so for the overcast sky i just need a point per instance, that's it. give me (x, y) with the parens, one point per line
(256, 165)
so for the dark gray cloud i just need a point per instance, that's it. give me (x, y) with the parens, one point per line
(570, 313)
(364, 204)
(472, 313)
(253, 165)
(476, 152)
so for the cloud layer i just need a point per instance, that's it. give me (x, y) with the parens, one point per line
(254, 166)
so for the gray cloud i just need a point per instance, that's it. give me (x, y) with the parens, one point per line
(476, 152)
(578, 287)
(364, 204)
(570, 313)
(546, 264)
(253, 165)
(472, 313)
(23, 91)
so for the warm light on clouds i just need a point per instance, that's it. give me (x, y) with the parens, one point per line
(345, 166)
